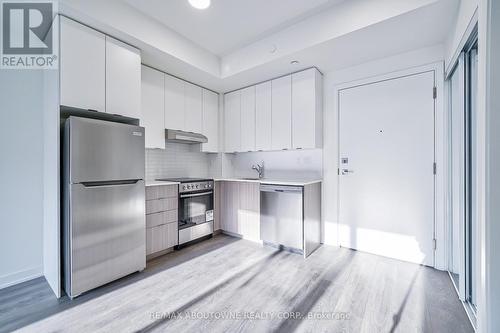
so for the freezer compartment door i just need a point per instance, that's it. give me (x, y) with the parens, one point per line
(104, 151)
(107, 234)
(281, 216)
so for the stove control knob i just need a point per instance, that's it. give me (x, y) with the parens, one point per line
(197, 185)
(206, 186)
(209, 185)
(189, 187)
(184, 187)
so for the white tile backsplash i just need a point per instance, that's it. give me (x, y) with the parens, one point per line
(292, 164)
(185, 160)
(181, 160)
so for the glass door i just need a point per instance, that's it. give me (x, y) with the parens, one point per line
(471, 234)
(195, 208)
(456, 230)
(462, 228)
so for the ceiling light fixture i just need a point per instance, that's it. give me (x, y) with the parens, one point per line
(294, 62)
(200, 4)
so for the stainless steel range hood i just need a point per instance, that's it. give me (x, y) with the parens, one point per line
(184, 137)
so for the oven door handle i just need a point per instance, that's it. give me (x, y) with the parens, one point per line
(195, 194)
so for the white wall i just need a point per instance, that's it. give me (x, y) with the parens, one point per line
(330, 121)
(465, 21)
(488, 120)
(21, 174)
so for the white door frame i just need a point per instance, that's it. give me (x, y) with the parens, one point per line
(440, 150)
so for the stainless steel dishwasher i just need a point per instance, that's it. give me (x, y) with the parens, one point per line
(281, 216)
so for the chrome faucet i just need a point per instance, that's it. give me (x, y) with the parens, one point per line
(259, 168)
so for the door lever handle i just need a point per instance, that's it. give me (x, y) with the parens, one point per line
(347, 171)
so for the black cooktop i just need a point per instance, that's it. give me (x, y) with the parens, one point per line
(184, 180)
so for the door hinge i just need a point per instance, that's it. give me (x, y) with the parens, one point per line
(434, 168)
(434, 93)
(434, 244)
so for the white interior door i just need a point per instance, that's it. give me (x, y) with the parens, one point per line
(386, 194)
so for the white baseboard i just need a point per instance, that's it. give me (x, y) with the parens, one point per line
(20, 276)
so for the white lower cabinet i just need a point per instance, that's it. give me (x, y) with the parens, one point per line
(229, 206)
(161, 238)
(161, 219)
(240, 209)
(237, 211)
(249, 210)
(218, 199)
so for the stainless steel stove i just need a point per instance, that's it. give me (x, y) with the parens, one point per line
(196, 208)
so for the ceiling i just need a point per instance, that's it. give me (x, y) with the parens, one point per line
(229, 24)
(225, 52)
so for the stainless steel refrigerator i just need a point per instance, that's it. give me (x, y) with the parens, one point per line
(104, 203)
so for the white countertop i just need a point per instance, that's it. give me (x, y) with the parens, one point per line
(289, 182)
(160, 183)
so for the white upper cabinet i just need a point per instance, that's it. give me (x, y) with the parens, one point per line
(153, 105)
(174, 103)
(193, 108)
(248, 119)
(99, 72)
(83, 71)
(307, 111)
(281, 114)
(281, 137)
(123, 79)
(263, 116)
(210, 121)
(232, 121)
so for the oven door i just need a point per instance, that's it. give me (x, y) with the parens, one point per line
(195, 208)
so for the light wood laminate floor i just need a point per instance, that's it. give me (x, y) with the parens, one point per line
(347, 291)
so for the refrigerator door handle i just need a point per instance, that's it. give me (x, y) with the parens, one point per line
(112, 183)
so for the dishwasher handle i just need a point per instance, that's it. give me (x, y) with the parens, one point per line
(281, 188)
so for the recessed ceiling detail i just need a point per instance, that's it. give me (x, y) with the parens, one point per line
(229, 24)
(239, 42)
